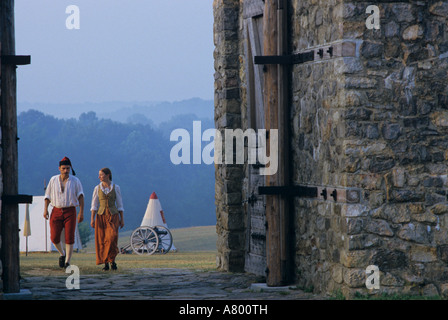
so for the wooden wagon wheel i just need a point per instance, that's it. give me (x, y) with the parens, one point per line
(165, 239)
(144, 240)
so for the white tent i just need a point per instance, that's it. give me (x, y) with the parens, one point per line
(154, 215)
(39, 228)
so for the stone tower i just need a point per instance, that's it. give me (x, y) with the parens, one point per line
(368, 121)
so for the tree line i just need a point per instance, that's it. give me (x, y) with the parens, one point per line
(137, 154)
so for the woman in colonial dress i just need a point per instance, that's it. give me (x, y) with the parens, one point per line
(107, 206)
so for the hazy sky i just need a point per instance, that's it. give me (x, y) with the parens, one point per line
(133, 50)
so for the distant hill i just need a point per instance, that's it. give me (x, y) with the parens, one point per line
(153, 113)
(158, 113)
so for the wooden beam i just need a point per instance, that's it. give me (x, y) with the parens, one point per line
(285, 205)
(271, 103)
(278, 240)
(9, 212)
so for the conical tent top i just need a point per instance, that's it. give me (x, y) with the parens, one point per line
(154, 213)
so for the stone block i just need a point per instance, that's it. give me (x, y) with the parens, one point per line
(442, 251)
(415, 232)
(379, 227)
(353, 210)
(354, 277)
(390, 280)
(403, 12)
(348, 65)
(430, 290)
(352, 226)
(389, 259)
(413, 32)
(444, 290)
(440, 8)
(439, 208)
(362, 241)
(360, 83)
(423, 254)
(337, 274)
(371, 50)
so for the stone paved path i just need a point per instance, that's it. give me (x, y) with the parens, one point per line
(159, 284)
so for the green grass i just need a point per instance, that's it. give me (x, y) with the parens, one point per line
(47, 263)
(395, 296)
(184, 239)
(196, 249)
(338, 295)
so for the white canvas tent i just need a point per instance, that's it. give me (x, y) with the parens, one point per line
(154, 215)
(39, 228)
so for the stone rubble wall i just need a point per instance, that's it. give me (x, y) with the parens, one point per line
(318, 130)
(372, 120)
(375, 121)
(228, 178)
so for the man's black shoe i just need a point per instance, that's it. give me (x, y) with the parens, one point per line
(62, 261)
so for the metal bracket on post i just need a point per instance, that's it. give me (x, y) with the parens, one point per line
(291, 191)
(17, 198)
(16, 60)
(341, 195)
(334, 50)
(287, 59)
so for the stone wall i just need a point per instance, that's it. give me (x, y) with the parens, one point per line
(370, 121)
(318, 110)
(374, 120)
(228, 178)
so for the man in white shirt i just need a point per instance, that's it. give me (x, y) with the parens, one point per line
(65, 193)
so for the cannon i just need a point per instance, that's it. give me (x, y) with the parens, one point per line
(149, 240)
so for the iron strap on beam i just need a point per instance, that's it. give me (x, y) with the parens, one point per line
(287, 59)
(16, 60)
(294, 191)
(343, 195)
(17, 198)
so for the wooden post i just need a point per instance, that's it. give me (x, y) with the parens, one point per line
(276, 117)
(286, 225)
(9, 212)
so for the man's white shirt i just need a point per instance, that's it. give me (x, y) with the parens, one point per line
(68, 198)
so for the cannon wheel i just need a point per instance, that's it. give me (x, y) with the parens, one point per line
(144, 239)
(165, 239)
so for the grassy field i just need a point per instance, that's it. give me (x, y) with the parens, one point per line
(185, 239)
(196, 249)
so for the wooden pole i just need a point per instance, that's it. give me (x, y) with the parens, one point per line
(286, 225)
(274, 276)
(9, 212)
(278, 244)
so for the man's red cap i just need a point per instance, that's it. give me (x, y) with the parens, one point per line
(66, 162)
